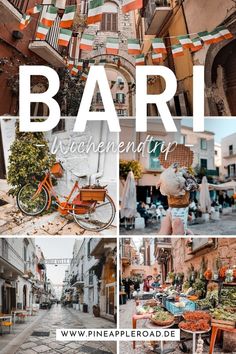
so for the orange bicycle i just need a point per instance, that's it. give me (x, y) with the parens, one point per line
(92, 208)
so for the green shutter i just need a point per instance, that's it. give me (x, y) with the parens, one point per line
(154, 163)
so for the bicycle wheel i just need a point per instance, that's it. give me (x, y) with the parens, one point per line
(30, 202)
(96, 218)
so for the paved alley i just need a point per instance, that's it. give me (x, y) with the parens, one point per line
(24, 341)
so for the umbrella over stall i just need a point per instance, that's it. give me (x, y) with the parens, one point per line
(129, 200)
(204, 198)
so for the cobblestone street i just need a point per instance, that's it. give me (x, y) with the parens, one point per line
(23, 341)
(144, 347)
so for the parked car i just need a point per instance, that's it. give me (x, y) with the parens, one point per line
(45, 305)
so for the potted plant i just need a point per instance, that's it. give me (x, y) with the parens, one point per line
(96, 310)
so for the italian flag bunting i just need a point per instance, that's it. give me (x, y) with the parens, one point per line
(196, 44)
(80, 64)
(217, 36)
(50, 16)
(112, 45)
(64, 37)
(84, 76)
(206, 37)
(74, 71)
(185, 41)
(95, 11)
(140, 59)
(157, 58)
(24, 22)
(68, 17)
(34, 10)
(131, 5)
(70, 64)
(177, 50)
(134, 47)
(224, 32)
(86, 42)
(41, 32)
(158, 45)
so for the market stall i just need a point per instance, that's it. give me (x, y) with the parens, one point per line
(201, 304)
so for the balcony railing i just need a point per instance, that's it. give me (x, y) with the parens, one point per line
(20, 5)
(155, 13)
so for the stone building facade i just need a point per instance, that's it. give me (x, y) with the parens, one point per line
(119, 68)
(228, 146)
(210, 248)
(168, 19)
(22, 281)
(202, 145)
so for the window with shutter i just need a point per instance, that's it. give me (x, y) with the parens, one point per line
(109, 22)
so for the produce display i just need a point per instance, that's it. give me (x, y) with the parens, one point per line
(224, 313)
(228, 296)
(196, 316)
(201, 325)
(162, 318)
(142, 310)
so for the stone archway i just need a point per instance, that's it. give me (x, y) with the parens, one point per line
(127, 70)
(220, 77)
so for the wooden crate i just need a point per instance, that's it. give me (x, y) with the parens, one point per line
(93, 194)
(224, 323)
(57, 170)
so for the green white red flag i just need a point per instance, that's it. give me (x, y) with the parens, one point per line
(224, 32)
(131, 5)
(140, 59)
(158, 45)
(206, 37)
(196, 44)
(34, 10)
(74, 71)
(68, 17)
(41, 32)
(49, 17)
(64, 37)
(185, 41)
(157, 58)
(112, 45)
(80, 64)
(86, 42)
(134, 47)
(217, 36)
(24, 22)
(70, 64)
(177, 50)
(84, 76)
(95, 11)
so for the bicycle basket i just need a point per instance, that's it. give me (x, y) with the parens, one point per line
(95, 194)
(57, 170)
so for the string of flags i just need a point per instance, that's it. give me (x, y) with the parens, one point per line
(192, 41)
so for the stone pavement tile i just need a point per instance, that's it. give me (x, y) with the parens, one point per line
(41, 349)
(71, 229)
(73, 345)
(27, 351)
(28, 345)
(55, 345)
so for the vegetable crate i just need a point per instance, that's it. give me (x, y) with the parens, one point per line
(172, 308)
(92, 194)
